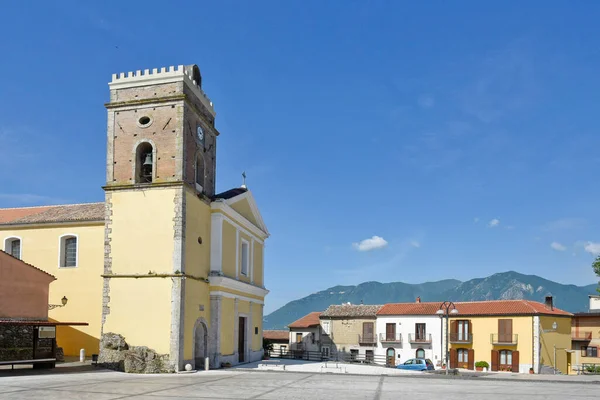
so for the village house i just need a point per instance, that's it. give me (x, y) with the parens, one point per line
(585, 337)
(305, 335)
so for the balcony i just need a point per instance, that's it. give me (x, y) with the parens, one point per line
(581, 336)
(419, 338)
(461, 338)
(390, 338)
(367, 340)
(503, 339)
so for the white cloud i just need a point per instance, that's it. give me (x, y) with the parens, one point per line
(415, 243)
(426, 101)
(374, 243)
(592, 248)
(557, 246)
(494, 223)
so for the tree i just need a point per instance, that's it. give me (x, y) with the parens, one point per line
(596, 267)
(267, 345)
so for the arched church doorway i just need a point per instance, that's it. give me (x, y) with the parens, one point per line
(200, 343)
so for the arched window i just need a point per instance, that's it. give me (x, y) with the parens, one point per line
(144, 163)
(200, 170)
(68, 251)
(12, 246)
(505, 358)
(420, 353)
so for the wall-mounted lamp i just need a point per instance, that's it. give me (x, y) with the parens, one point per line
(64, 301)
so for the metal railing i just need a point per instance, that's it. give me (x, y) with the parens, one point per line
(299, 355)
(297, 346)
(504, 339)
(584, 336)
(369, 340)
(390, 338)
(419, 338)
(461, 338)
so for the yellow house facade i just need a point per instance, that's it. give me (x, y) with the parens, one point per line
(164, 261)
(585, 337)
(510, 335)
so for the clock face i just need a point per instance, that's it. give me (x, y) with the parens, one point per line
(200, 134)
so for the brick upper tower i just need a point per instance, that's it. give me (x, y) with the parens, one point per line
(161, 130)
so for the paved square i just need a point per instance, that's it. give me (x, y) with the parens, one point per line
(238, 384)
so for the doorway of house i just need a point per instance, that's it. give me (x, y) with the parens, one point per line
(242, 340)
(200, 344)
(391, 357)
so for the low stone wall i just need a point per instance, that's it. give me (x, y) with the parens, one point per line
(16, 342)
(116, 354)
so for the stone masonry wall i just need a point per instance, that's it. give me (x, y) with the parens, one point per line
(16, 342)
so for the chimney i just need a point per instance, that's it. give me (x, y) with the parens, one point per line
(549, 303)
(419, 299)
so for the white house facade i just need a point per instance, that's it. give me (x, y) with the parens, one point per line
(408, 330)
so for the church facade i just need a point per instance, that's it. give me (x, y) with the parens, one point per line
(164, 261)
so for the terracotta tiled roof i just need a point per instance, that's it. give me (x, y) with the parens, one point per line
(308, 320)
(490, 307)
(351, 310)
(6, 255)
(45, 214)
(276, 335)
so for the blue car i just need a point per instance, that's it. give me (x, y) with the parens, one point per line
(417, 364)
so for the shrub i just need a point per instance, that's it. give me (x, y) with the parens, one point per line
(482, 364)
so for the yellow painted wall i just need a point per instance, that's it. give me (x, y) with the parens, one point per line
(197, 263)
(236, 292)
(81, 285)
(243, 207)
(257, 322)
(258, 264)
(229, 243)
(561, 338)
(483, 327)
(140, 310)
(142, 241)
(227, 327)
(142, 231)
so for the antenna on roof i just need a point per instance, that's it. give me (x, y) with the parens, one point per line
(244, 180)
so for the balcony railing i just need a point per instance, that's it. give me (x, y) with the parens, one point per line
(461, 338)
(582, 336)
(367, 340)
(390, 338)
(504, 339)
(419, 338)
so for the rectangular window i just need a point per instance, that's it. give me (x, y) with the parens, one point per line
(15, 248)
(325, 351)
(326, 327)
(283, 349)
(590, 351)
(390, 331)
(505, 330)
(70, 252)
(245, 257)
(369, 356)
(299, 337)
(463, 330)
(353, 354)
(420, 333)
(368, 332)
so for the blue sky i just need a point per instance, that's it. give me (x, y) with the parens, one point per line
(462, 136)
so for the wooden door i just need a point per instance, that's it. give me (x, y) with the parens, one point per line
(242, 339)
(453, 358)
(495, 360)
(368, 332)
(390, 332)
(471, 363)
(515, 361)
(391, 357)
(420, 332)
(505, 330)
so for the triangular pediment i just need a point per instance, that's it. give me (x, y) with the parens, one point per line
(245, 205)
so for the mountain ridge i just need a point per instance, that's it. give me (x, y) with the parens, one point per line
(499, 286)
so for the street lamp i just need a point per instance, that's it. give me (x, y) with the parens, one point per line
(63, 301)
(447, 308)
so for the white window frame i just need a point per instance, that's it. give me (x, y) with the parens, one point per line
(247, 272)
(61, 250)
(8, 242)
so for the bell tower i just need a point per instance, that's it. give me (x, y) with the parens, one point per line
(160, 165)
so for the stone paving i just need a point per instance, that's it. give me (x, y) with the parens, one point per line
(88, 383)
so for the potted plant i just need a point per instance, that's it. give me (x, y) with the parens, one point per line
(480, 365)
